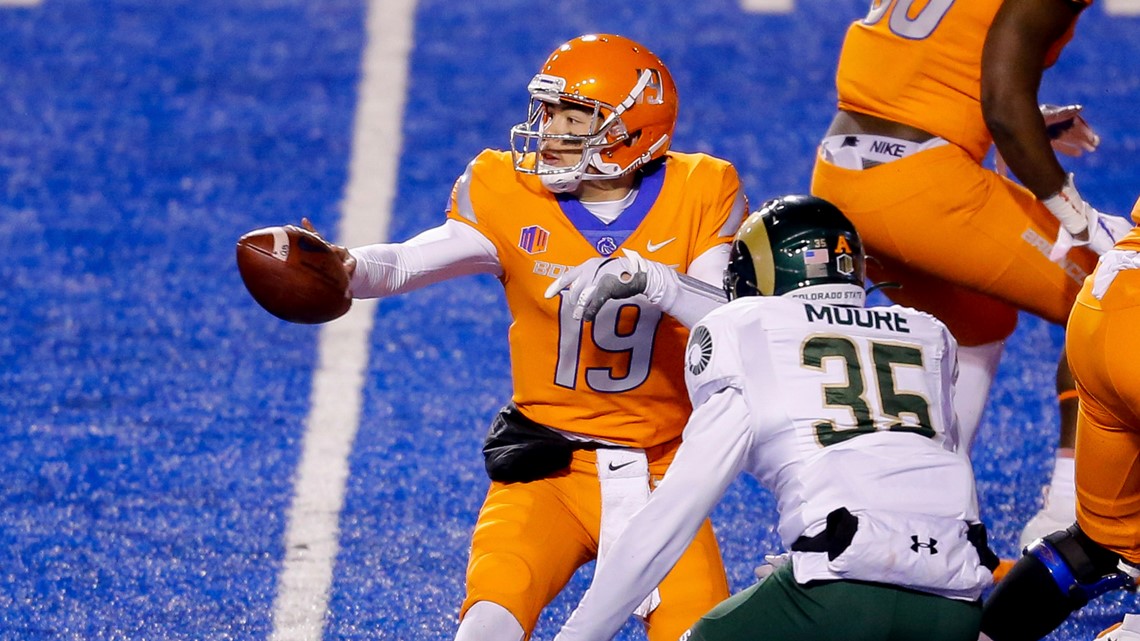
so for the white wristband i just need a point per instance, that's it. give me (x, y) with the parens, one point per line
(1069, 208)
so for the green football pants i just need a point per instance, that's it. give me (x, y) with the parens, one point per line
(779, 609)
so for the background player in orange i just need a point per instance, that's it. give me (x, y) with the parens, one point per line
(1101, 551)
(903, 159)
(598, 408)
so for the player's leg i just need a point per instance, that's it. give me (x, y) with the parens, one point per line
(1101, 342)
(780, 608)
(1059, 498)
(977, 367)
(1050, 582)
(1061, 573)
(528, 542)
(1056, 576)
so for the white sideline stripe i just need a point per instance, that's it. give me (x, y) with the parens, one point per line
(1122, 7)
(20, 3)
(312, 533)
(768, 6)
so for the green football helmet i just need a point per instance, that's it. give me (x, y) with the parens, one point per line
(798, 246)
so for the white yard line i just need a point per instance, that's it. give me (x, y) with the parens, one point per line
(768, 6)
(312, 533)
(1122, 7)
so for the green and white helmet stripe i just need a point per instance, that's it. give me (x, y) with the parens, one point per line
(798, 246)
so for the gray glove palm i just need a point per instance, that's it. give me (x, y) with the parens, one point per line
(598, 280)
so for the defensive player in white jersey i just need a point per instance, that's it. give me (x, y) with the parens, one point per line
(844, 412)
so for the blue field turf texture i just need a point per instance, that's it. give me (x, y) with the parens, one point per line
(153, 415)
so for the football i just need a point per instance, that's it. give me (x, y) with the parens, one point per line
(294, 274)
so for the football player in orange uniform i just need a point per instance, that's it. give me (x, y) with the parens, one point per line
(598, 407)
(920, 88)
(1101, 551)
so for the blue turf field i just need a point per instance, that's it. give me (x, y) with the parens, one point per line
(153, 415)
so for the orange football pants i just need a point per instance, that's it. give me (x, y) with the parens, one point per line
(530, 538)
(1103, 341)
(966, 245)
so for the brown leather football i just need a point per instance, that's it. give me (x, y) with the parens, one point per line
(294, 274)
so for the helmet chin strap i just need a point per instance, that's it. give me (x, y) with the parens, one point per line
(564, 182)
(561, 183)
(567, 181)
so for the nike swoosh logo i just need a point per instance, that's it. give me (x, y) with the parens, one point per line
(614, 468)
(652, 247)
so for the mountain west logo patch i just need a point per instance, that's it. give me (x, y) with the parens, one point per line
(533, 239)
(699, 352)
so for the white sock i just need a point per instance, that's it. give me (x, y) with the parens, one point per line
(1060, 509)
(1063, 485)
(977, 366)
(1131, 623)
(487, 621)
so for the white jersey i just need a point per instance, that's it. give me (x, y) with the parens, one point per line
(848, 407)
(829, 407)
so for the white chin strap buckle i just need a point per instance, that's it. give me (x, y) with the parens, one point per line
(561, 183)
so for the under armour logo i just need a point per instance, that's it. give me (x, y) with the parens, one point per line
(930, 546)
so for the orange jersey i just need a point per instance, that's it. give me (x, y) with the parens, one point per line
(919, 63)
(621, 377)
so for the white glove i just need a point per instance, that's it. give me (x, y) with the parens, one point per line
(772, 562)
(1108, 231)
(598, 280)
(1081, 223)
(1069, 133)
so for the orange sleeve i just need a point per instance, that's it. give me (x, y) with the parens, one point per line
(724, 206)
(461, 205)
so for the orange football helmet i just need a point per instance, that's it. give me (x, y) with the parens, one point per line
(634, 103)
